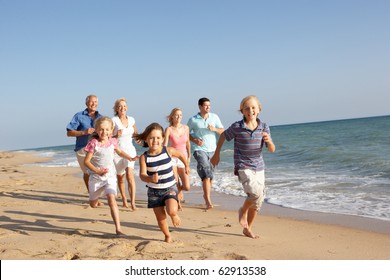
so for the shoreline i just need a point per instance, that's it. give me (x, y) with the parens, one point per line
(45, 216)
(222, 201)
(232, 203)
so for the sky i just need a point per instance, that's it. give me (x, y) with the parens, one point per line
(306, 61)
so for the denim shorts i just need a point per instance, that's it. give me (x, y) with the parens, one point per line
(204, 167)
(157, 197)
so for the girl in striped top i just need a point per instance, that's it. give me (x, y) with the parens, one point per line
(156, 170)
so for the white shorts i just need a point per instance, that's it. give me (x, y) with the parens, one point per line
(80, 154)
(177, 162)
(253, 183)
(99, 186)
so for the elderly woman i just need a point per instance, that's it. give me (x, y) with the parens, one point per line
(124, 130)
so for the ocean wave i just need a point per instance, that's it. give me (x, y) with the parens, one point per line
(327, 167)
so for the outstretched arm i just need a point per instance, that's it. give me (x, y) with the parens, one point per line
(121, 153)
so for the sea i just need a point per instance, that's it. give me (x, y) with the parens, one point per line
(339, 167)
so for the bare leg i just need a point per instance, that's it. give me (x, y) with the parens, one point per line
(185, 184)
(171, 208)
(246, 216)
(243, 218)
(179, 188)
(185, 179)
(207, 183)
(86, 181)
(114, 213)
(131, 187)
(121, 186)
(161, 217)
(180, 195)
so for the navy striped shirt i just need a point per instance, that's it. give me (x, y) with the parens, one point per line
(248, 145)
(162, 164)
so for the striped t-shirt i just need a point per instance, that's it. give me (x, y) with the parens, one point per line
(162, 164)
(248, 145)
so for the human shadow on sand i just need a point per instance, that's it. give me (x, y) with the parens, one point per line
(44, 223)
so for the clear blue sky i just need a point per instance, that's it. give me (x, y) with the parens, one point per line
(305, 60)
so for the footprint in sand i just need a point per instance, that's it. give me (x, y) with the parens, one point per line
(71, 256)
(234, 256)
(151, 246)
(118, 250)
(73, 232)
(98, 222)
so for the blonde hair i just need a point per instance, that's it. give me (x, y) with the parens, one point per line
(246, 99)
(170, 116)
(99, 122)
(116, 105)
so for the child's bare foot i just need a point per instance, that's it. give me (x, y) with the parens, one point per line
(125, 205)
(242, 218)
(168, 239)
(118, 232)
(99, 203)
(133, 207)
(247, 232)
(176, 220)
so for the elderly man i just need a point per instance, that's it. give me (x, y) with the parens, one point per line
(81, 126)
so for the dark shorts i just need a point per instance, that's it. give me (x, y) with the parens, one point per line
(157, 197)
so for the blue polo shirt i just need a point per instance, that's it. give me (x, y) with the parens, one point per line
(198, 129)
(82, 121)
(248, 145)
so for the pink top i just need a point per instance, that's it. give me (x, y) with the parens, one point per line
(103, 156)
(94, 142)
(179, 142)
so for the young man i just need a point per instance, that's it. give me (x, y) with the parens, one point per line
(205, 127)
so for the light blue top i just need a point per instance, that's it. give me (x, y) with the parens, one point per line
(199, 129)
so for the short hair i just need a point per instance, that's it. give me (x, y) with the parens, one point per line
(89, 97)
(203, 100)
(248, 98)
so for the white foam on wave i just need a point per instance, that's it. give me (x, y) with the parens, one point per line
(291, 187)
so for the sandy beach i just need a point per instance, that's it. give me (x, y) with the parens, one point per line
(45, 216)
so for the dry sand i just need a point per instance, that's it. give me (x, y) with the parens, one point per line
(45, 216)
